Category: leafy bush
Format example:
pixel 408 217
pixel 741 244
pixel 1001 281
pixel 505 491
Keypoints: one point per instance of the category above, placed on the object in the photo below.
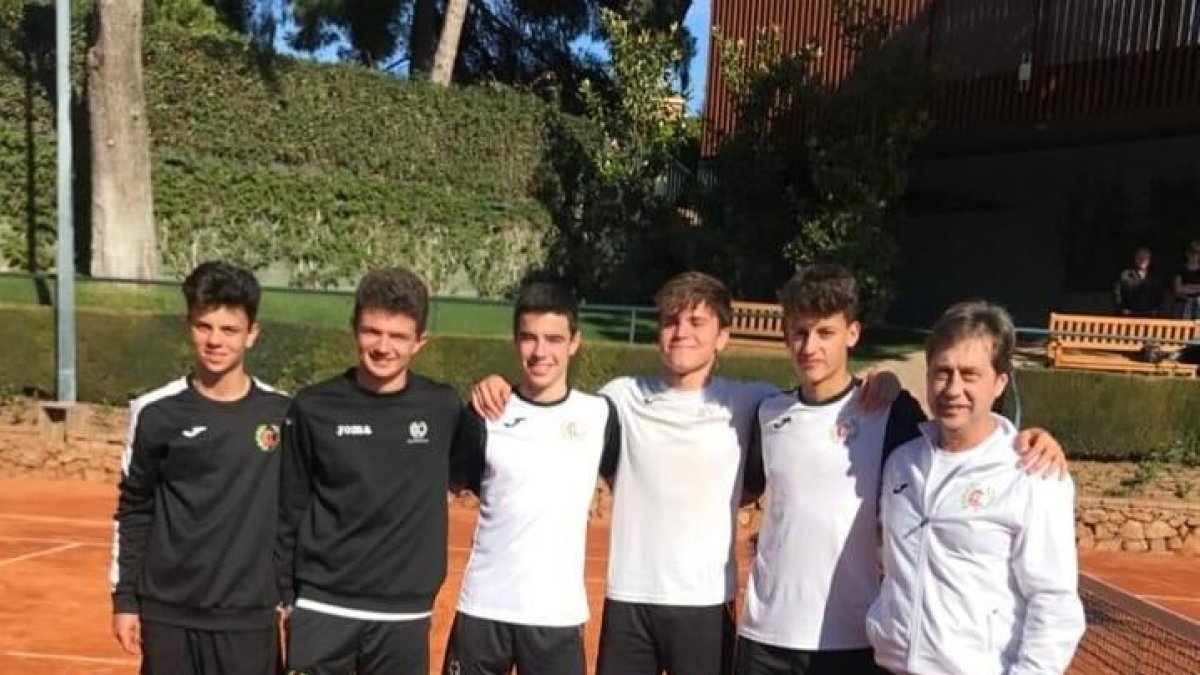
pixel 310 171
pixel 118 359
pixel 1105 416
pixel 815 169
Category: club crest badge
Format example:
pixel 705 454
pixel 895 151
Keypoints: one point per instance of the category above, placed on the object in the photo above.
pixel 572 431
pixel 418 432
pixel 266 437
pixel 845 431
pixel 977 496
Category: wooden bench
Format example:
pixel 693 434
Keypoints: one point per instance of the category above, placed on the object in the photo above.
pixel 757 324
pixel 1116 343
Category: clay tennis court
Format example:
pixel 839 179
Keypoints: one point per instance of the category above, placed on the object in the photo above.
pixel 55 539
pixel 54 552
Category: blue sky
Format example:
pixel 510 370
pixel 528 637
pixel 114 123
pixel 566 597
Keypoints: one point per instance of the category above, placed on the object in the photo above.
pixel 698 19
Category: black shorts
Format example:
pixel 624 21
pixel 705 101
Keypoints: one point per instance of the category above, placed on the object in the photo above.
pixel 325 644
pixel 757 658
pixel 642 639
pixel 174 650
pixel 485 647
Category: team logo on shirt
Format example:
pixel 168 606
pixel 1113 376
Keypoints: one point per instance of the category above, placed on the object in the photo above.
pixel 845 431
pixel 193 432
pixel 779 424
pixel 572 431
pixel 266 437
pixel 977 496
pixel 418 432
pixel 454 667
pixel 353 430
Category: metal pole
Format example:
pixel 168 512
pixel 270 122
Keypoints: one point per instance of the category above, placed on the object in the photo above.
pixel 65 259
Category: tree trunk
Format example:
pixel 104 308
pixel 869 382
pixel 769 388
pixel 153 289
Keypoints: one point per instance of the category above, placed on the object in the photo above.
pixel 124 242
pixel 422 37
pixel 447 49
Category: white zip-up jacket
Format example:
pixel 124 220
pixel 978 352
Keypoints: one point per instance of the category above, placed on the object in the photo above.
pixel 980 567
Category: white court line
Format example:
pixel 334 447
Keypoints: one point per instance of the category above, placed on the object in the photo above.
pixel 467 549
pixel 76 659
pixel 29 517
pixel 43 540
pixel 1172 598
pixel 38 554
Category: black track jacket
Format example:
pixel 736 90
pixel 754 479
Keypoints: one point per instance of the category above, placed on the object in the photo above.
pixel 197 509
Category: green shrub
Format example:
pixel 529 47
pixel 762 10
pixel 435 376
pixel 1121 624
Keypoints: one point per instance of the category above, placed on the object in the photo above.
pixel 1105 416
pixel 310 171
pixel 121 355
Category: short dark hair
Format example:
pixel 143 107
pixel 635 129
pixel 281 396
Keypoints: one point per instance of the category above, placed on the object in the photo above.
pixel 820 290
pixel 222 284
pixel 972 319
pixel 546 297
pixel 690 289
pixel 394 290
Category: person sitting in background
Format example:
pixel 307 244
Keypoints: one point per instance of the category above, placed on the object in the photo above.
pixel 1187 284
pixel 1138 292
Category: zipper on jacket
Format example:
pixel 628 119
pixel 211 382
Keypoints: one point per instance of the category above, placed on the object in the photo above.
pixel 914 640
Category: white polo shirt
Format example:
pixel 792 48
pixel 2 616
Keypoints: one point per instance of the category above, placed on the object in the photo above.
pixel 677 489
pixel 539 468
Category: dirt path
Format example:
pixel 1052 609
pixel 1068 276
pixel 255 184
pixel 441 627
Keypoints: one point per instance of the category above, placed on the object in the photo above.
pixel 910 368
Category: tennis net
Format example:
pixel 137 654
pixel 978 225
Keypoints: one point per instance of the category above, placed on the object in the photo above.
pixel 1130 636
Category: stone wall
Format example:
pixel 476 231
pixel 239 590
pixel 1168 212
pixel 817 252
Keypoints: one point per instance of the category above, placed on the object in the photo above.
pixel 85 442
pixel 1137 526
pixel 81 442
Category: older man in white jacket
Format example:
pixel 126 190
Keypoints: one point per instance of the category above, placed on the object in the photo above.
pixel 979 558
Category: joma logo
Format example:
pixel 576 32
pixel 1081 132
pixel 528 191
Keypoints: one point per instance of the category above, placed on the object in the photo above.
pixel 354 430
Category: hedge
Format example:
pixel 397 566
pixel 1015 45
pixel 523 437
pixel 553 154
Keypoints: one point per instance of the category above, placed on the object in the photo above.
pixel 123 354
pixel 1110 417
pixel 254 156
pixel 1095 415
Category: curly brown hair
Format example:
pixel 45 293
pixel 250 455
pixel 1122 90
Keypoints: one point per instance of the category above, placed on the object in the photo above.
pixel 820 290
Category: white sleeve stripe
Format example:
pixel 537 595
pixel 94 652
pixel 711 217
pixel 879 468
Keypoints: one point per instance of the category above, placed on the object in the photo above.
pixel 135 409
pixel 268 388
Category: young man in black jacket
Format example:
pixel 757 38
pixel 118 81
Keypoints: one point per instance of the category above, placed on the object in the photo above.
pixel 361 548
pixel 192 580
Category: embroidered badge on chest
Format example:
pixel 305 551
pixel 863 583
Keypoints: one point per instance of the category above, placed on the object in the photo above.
pixel 266 437
pixel 977 496
pixel 845 431
pixel 572 431
pixel 418 432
